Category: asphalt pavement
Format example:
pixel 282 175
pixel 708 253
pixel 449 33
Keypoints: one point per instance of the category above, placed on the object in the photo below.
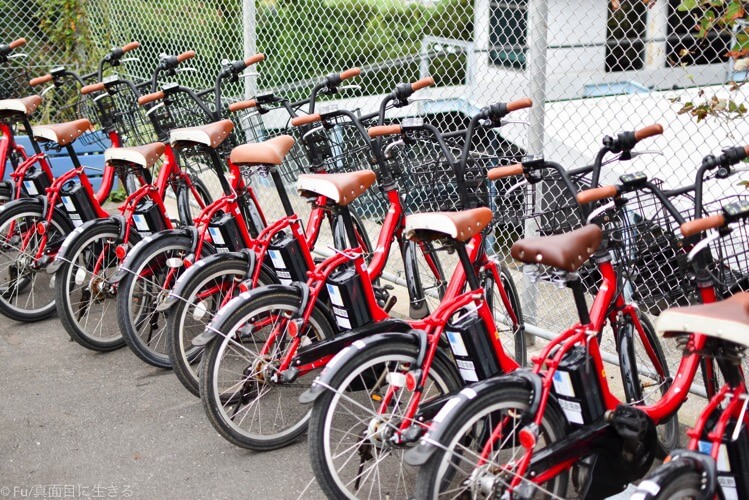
pixel 103 425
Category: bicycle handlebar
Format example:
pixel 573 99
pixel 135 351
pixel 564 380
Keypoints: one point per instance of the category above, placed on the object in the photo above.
pixel 305 120
pixel 503 172
pixel 94 87
pixel 154 96
pixel 699 225
pixel 596 194
pixel 649 131
pixel 20 42
pixel 382 130
pixel 239 106
pixel 39 80
pixel 349 73
pixel 186 55
pixel 130 46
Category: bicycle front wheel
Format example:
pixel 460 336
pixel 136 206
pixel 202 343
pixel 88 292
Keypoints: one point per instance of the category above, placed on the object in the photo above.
pixel 242 393
pixel 350 434
pixel 149 281
pixel 511 333
pixel 480 447
pixel 209 289
pixel 85 300
pixel 27 292
pixel 644 382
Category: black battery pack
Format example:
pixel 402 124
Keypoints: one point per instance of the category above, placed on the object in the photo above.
pixel 577 388
pixel 347 298
pixel 287 259
pixel 35 182
pixel 225 233
pixel 471 348
pixel 733 475
pixel 148 218
pixel 77 203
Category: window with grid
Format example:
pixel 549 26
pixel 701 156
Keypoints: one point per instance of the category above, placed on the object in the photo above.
pixel 508 32
pixel 625 31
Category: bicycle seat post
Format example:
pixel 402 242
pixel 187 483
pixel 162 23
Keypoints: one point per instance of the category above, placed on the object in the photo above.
pixel 285 202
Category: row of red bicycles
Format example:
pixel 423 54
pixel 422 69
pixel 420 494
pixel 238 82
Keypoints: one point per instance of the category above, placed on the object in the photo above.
pixel 289 326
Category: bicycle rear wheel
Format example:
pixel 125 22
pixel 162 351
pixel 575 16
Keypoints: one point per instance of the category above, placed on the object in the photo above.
pixel 511 334
pixel 475 460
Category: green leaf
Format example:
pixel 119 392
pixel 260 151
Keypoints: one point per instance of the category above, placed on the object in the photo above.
pixel 686 5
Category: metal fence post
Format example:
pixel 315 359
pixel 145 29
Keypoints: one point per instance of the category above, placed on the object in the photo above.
pixel 537 46
pixel 249 35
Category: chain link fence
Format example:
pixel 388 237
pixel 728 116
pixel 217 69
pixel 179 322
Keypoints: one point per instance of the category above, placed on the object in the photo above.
pixel 592 69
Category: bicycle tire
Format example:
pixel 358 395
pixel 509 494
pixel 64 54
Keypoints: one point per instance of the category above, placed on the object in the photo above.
pixel 668 430
pixel 263 302
pixel 416 260
pixel 185 209
pixel 514 335
pixel 352 382
pixel 460 429
pixel 18 280
pixel 675 479
pixel 136 307
pixel 183 356
pixel 84 253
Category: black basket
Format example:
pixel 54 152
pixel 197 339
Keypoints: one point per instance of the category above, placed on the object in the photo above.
pixel 544 208
pixel 179 110
pixel 14 82
pixel 729 264
pixel 120 109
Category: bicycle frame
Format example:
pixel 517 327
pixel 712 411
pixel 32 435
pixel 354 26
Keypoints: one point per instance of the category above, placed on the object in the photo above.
pixel 587 334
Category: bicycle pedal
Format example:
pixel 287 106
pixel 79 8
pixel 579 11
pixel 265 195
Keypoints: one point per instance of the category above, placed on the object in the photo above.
pixel 390 303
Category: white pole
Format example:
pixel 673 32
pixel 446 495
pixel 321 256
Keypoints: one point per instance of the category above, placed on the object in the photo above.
pixel 536 60
pixel 249 35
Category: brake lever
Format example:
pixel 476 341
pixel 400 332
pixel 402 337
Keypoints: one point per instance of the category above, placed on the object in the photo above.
pixel 517 186
pixel 16 56
pixel 46 90
pixel 159 105
pixel 101 96
pixel 633 154
pixel 422 99
pixel 519 122
pixel 395 144
pixel 312 131
pixel 598 211
pixel 247 75
pixel 130 59
pixel 701 245
pixel 349 87
pixel 184 70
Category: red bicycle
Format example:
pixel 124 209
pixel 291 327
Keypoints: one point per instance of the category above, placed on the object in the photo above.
pixel 714 463
pixel 522 435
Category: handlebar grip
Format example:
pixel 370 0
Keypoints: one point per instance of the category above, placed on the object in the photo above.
pixel 40 80
pixel 502 172
pixel 649 131
pixel 382 130
pixel 145 99
pixel 254 59
pixel 523 103
pixel 305 120
pixel 130 46
pixel 185 56
pixel 595 194
pixel 350 73
pixel 20 42
pixel 423 83
pixel 94 87
pixel 698 225
pixel 239 106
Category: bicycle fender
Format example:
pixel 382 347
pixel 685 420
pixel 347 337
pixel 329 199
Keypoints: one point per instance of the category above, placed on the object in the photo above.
pixel 351 351
pixel 177 293
pixel 134 252
pixel 319 350
pixel 681 462
pixel 458 403
pixel 230 308
pixel 62 253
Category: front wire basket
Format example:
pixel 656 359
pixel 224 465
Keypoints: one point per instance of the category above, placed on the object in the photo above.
pixel 729 263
